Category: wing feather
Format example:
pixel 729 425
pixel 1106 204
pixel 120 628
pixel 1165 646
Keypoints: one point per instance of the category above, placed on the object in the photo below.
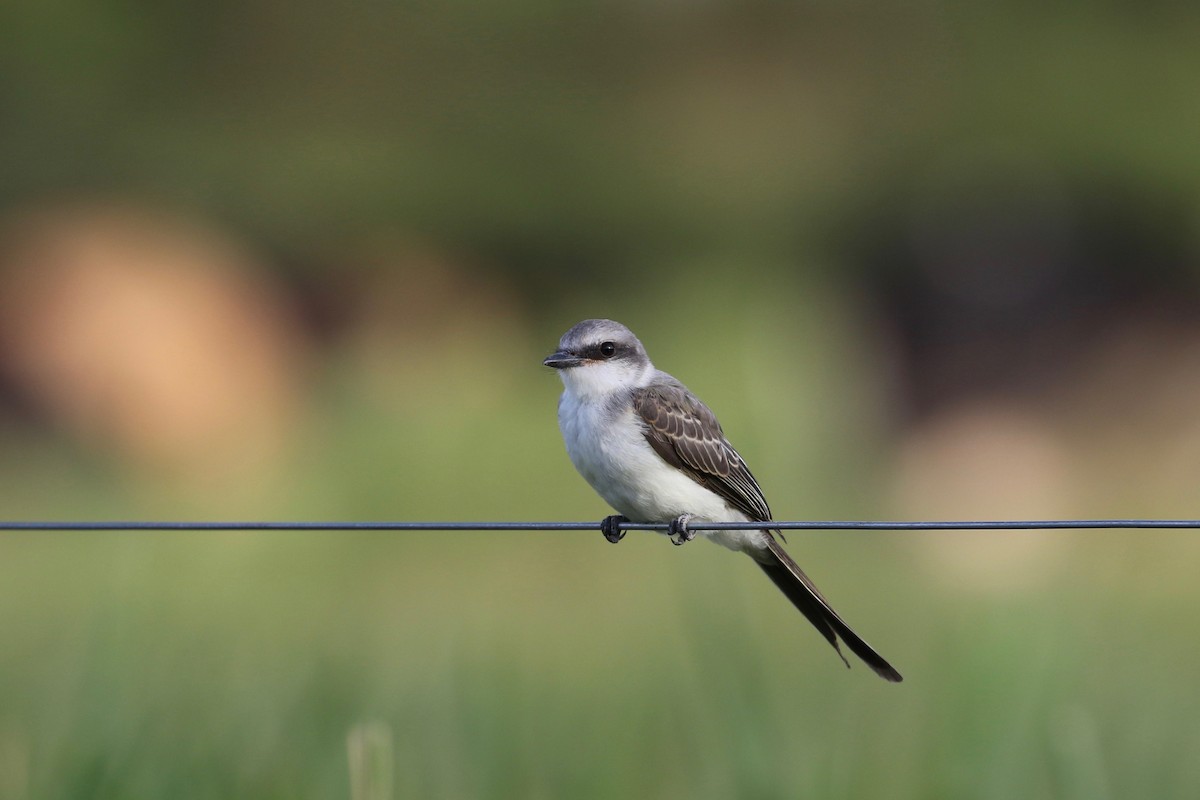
pixel 687 435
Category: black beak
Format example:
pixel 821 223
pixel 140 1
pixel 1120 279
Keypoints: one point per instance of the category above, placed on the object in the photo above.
pixel 562 360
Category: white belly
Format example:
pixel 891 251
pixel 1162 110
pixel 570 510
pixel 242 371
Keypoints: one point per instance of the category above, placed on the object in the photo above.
pixel 624 469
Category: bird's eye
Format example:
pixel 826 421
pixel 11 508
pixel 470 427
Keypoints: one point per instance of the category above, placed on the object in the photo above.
pixel 608 349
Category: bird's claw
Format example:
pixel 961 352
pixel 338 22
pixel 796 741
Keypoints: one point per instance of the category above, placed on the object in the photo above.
pixel 610 526
pixel 678 530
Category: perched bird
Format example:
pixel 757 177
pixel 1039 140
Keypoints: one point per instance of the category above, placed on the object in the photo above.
pixel 657 454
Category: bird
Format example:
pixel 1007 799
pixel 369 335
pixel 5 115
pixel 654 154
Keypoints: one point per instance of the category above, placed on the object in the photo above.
pixel 657 454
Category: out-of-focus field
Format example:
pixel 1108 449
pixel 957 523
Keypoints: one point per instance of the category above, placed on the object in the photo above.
pixel 552 664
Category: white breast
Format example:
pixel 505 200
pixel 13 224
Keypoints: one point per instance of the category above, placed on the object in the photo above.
pixel 610 451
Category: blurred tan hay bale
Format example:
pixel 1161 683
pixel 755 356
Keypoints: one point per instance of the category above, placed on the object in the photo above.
pixel 987 461
pixel 147 333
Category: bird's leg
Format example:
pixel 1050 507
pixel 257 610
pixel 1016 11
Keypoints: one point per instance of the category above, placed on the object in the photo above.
pixel 678 530
pixel 611 527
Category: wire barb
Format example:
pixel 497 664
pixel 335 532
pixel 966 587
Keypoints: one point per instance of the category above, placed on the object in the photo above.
pixel 805 525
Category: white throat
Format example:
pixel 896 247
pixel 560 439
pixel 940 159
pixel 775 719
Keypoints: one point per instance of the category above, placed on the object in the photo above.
pixel 599 380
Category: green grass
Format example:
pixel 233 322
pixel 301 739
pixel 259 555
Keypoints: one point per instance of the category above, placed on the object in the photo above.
pixel 197 666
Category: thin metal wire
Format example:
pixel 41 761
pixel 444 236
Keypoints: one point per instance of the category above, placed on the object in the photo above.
pixel 857 525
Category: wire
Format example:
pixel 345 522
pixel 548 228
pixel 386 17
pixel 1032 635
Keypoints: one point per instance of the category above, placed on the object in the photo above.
pixel 132 525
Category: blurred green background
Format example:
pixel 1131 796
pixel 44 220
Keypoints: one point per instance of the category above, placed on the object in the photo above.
pixel 293 261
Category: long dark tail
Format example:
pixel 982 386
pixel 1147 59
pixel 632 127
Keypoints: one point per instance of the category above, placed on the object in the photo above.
pixel 792 581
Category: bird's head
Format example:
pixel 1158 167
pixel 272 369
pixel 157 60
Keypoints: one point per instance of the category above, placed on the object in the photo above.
pixel 598 357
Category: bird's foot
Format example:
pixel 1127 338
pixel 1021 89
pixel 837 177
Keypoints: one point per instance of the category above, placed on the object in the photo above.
pixel 678 530
pixel 611 527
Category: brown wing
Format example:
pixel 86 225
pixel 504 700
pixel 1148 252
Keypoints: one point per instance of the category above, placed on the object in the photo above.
pixel 687 435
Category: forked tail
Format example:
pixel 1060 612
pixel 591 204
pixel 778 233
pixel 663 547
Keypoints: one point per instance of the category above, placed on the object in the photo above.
pixel 792 581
